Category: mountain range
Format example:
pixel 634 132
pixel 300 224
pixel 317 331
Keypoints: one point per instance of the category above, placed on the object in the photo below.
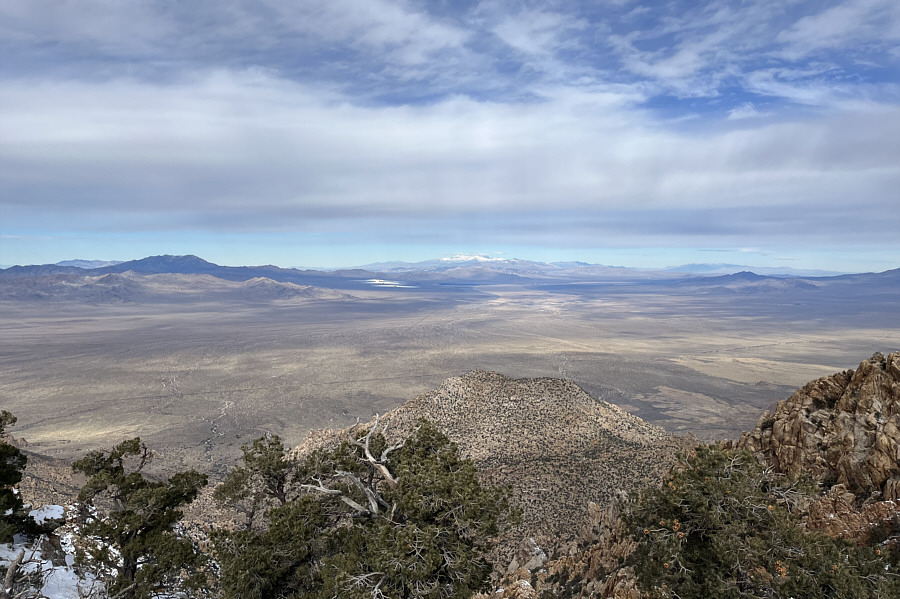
pixel 444 273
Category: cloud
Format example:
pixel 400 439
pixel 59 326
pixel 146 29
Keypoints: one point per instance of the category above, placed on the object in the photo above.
pixel 745 111
pixel 539 32
pixel 249 151
pixel 853 24
pixel 114 27
pixel 557 122
pixel 694 48
pixel 405 35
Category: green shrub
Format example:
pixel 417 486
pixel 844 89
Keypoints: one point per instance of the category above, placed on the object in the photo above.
pixel 137 550
pixel 12 465
pixel 723 526
pixel 368 520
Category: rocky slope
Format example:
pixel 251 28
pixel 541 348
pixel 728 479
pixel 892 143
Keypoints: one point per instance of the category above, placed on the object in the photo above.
pixel 843 428
pixel 46 480
pixel 558 448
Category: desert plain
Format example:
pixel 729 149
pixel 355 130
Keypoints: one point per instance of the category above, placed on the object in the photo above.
pixel 196 379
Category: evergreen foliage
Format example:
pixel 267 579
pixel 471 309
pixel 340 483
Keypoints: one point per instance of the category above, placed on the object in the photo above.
pixel 367 520
pixel 137 546
pixel 12 465
pixel 261 482
pixel 724 526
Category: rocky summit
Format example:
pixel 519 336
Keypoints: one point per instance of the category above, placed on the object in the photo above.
pixel 559 448
pixel 844 429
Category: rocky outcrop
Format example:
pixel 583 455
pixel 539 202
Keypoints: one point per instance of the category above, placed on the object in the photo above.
pixel 843 429
pixel 837 515
pixel 595 570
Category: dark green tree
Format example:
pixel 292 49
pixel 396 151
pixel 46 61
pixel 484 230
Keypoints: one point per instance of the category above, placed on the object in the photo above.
pixel 372 520
pixel 133 517
pixel 12 466
pixel 262 481
pixel 723 526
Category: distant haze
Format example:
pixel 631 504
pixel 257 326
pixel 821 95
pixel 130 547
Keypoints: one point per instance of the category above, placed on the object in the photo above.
pixel 457 260
pixel 506 263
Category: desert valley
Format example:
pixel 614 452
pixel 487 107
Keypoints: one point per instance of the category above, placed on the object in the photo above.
pixel 199 359
pixel 573 386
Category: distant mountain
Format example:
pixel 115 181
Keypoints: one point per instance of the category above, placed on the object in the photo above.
pixel 482 270
pixel 88 263
pixel 39 270
pixel 444 264
pixel 887 276
pixel 747 282
pixel 164 264
pixel 193 265
pixel 261 288
pixel 727 269
pixel 103 289
pixel 448 275
pixel 743 276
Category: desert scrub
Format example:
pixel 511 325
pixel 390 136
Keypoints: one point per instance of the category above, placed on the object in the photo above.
pixel 723 526
pixel 364 519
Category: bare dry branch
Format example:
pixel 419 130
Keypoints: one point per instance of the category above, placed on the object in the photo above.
pixel 365 445
pixel 11 575
pixel 339 494
pixel 371 494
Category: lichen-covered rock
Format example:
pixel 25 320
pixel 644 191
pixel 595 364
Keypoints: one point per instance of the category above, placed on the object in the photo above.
pixel 595 569
pixel 529 557
pixel 621 584
pixel 518 589
pixel 836 515
pixel 843 429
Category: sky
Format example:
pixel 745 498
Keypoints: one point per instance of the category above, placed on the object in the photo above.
pixel 344 132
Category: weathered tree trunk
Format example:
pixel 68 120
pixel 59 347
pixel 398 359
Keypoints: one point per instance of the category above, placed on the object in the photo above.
pixel 11 575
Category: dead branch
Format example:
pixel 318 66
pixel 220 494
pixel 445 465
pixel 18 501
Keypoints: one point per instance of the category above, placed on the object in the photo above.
pixel 371 495
pixel 379 465
pixel 320 488
pixel 11 575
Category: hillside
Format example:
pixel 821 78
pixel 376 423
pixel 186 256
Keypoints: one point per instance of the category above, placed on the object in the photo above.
pixel 841 429
pixel 557 447
pixel 129 287
pixel 570 459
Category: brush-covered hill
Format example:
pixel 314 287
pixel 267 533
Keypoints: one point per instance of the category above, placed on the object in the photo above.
pixel 556 446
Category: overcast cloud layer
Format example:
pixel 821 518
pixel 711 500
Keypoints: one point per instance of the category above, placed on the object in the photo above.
pixel 418 127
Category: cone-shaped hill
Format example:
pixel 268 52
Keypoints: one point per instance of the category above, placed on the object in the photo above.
pixel 557 447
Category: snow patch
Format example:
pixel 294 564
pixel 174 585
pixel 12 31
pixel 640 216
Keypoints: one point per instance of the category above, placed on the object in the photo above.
pixel 48 512
pixel 471 258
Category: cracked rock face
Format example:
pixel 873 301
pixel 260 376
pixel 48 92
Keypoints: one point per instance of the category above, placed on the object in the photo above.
pixel 843 429
pixel 837 515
